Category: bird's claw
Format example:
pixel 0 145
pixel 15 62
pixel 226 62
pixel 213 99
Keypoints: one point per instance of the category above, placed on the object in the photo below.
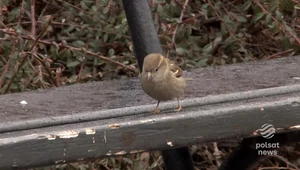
pixel 179 109
pixel 156 111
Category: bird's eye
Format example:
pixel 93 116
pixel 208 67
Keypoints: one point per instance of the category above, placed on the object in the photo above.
pixel 156 69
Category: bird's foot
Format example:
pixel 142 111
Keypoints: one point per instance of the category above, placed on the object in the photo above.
pixel 156 111
pixel 179 109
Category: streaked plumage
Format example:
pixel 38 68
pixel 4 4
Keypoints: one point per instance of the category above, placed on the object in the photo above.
pixel 162 79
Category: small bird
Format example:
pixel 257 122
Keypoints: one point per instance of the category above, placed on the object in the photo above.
pixel 161 79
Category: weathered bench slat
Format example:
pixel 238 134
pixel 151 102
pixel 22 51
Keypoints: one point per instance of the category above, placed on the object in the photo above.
pixel 229 116
pixel 137 110
pixel 105 95
pixel 132 134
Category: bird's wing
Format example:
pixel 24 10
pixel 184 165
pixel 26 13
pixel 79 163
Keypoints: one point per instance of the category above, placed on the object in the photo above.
pixel 175 69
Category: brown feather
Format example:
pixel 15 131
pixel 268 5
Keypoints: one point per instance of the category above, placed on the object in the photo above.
pixel 153 61
pixel 170 85
pixel 175 69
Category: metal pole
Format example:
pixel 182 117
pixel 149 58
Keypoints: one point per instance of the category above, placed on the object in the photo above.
pixel 142 29
pixel 145 41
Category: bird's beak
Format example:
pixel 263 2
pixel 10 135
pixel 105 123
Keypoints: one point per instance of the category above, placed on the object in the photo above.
pixel 148 75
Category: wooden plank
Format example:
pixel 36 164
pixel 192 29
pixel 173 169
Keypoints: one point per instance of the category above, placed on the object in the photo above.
pixel 106 95
pixel 132 134
pixel 115 130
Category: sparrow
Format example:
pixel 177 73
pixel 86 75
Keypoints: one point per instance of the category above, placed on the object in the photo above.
pixel 162 80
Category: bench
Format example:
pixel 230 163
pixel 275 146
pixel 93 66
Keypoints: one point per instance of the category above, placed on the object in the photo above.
pixel 109 118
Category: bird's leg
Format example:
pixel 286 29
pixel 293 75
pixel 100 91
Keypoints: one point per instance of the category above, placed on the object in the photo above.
pixel 156 110
pixel 179 106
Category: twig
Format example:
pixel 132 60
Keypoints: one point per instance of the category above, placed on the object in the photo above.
pixel 66 24
pixel 28 80
pixel 71 48
pixel 285 161
pixel 279 53
pixel 58 75
pixel 30 64
pixel 79 9
pixel 41 76
pixel 296 2
pixel 282 26
pixel 217 154
pixel 33 24
pixel 45 66
pixel 82 64
pixel 180 20
pixel 2 59
pixel 44 10
pixel 7 65
pixel 220 18
pixel 25 57
pixel 21 13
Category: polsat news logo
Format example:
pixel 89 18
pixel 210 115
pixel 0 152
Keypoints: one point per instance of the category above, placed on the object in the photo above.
pixel 267 131
pixel 267 148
